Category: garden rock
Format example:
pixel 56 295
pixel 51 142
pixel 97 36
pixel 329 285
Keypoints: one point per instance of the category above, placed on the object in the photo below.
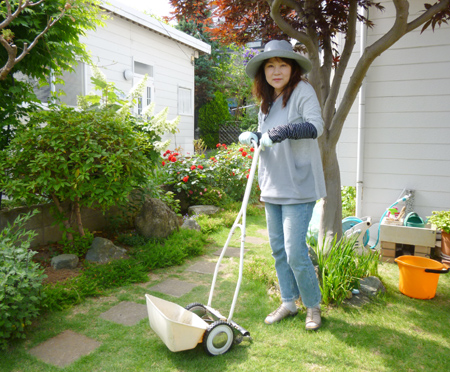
pixel 368 288
pixel 65 261
pixel 191 224
pixel 371 286
pixel 203 209
pixel 103 250
pixel 156 219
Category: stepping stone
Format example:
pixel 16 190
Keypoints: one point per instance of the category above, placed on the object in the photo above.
pixel 126 313
pixel 173 287
pixel 263 232
pixel 231 252
pixel 254 240
pixel 203 267
pixel 64 349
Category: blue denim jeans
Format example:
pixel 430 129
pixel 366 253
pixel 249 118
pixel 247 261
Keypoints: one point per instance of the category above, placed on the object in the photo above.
pixel 287 226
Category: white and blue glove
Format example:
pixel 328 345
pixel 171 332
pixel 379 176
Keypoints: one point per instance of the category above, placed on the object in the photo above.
pixel 246 138
pixel 265 141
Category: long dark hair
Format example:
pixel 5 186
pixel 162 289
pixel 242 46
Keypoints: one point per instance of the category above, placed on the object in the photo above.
pixel 264 92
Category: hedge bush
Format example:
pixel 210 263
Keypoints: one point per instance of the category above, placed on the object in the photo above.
pixel 211 117
pixel 20 281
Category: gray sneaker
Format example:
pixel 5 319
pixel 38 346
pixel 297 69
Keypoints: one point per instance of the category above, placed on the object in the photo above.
pixel 279 314
pixel 313 319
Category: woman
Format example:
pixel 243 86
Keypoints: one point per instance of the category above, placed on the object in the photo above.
pixel 290 171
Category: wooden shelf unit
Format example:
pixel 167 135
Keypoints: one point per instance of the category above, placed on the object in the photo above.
pixel 399 240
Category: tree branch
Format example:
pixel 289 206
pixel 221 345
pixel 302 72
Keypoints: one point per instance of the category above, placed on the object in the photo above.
pixel 66 221
pixel 427 15
pixel 275 14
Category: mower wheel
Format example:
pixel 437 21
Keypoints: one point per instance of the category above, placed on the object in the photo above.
pixel 218 338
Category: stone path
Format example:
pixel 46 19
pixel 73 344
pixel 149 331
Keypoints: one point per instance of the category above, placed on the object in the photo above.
pixel 69 346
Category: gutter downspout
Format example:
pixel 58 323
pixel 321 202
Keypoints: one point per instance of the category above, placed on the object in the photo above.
pixel 361 127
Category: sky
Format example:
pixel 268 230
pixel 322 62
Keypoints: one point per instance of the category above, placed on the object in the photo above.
pixel 157 7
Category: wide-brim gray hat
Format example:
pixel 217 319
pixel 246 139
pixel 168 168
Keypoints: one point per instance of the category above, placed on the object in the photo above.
pixel 280 49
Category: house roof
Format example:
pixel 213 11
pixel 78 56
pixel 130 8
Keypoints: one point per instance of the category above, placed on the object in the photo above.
pixel 150 23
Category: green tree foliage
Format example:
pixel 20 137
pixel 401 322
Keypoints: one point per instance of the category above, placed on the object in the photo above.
pixel 211 117
pixel 44 35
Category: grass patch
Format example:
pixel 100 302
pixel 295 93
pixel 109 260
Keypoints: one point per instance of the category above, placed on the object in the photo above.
pixel 395 333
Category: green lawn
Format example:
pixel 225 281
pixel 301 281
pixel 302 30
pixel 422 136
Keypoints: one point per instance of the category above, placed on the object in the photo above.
pixel 395 333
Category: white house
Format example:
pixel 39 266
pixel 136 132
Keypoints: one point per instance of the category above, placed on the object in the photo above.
pixel 401 132
pixel 133 44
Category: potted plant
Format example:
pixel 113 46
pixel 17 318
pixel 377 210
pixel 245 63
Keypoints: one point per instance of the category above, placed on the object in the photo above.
pixel 441 219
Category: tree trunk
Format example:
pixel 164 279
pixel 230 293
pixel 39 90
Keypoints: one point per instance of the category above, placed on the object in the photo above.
pixel 66 221
pixel 78 216
pixel 331 219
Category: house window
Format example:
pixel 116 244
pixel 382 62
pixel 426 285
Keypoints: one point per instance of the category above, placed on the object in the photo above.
pixel 140 70
pixel 184 101
pixel 146 99
pixel 73 87
pixel 143 69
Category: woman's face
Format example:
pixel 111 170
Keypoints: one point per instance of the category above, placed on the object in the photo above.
pixel 277 73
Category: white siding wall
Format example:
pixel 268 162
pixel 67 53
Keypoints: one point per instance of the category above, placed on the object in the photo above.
pixel 114 48
pixel 407 129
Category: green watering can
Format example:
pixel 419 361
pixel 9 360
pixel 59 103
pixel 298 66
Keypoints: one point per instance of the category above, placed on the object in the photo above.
pixel 414 220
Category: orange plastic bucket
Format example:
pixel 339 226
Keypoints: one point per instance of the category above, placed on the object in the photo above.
pixel 419 276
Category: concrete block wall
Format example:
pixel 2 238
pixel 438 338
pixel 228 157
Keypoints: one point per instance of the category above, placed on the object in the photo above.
pixel 44 224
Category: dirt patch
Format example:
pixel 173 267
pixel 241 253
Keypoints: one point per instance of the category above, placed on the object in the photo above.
pixel 44 257
pixel 54 276
pixel 45 254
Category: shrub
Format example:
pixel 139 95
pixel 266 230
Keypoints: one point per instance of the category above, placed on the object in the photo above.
pixel 79 245
pixel 197 176
pixel 20 281
pixel 174 250
pixel 92 282
pixel 211 116
pixel 61 295
pixel 348 194
pixel 116 273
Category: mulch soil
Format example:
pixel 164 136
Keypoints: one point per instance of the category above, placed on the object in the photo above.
pixel 44 257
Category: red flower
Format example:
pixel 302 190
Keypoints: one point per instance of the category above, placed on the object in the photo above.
pixel 163 163
pixel 200 167
pixel 193 167
pixel 250 157
pixel 252 149
pixel 191 192
pixel 218 145
pixel 241 149
pixel 185 179
pixel 173 159
pixel 246 176
pixel 244 153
